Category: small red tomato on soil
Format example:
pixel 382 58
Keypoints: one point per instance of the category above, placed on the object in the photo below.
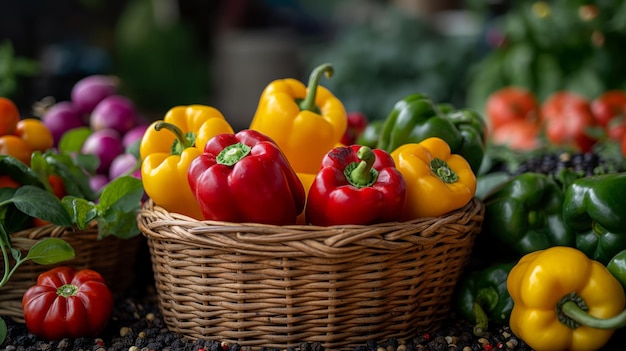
pixel 67 303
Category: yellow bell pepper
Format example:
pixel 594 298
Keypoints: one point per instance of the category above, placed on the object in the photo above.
pixel 564 301
pixel 167 154
pixel 304 122
pixel 437 181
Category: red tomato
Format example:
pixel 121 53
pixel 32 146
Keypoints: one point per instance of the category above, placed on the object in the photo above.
pixel 609 110
pixel 57 186
pixel 566 117
pixel 66 303
pixel 609 105
pixel 509 104
pixel 518 135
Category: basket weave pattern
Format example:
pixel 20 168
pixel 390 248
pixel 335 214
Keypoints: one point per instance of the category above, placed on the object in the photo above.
pixel 277 286
pixel 112 257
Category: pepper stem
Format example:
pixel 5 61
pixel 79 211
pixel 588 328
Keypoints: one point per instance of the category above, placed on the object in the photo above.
pixel 232 154
pixel 361 174
pixel 182 141
pixel 482 321
pixel 572 311
pixel 67 290
pixel 443 171
pixel 309 101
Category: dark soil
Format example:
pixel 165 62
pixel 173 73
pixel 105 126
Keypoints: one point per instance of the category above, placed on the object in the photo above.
pixel 137 325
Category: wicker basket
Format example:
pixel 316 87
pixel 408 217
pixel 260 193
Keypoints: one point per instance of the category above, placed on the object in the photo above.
pixel 112 257
pixel 277 286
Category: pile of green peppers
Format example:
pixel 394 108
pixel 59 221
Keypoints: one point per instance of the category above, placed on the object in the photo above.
pixel 535 211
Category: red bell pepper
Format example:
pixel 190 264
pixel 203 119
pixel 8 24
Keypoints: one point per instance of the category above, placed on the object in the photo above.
pixel 356 185
pixel 67 303
pixel 245 177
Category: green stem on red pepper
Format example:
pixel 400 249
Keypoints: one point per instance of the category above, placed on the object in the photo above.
pixel 572 312
pixel 183 140
pixel 361 174
pixel 232 154
pixel 308 103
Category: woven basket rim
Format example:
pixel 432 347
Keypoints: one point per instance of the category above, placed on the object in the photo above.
pixel 149 207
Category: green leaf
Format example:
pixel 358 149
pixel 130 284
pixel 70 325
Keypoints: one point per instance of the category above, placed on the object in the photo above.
pixel 18 170
pixel 16 254
pixel 42 204
pixel 75 179
pixel 50 251
pixel 81 210
pixel 123 193
pixel 73 139
pixel 122 224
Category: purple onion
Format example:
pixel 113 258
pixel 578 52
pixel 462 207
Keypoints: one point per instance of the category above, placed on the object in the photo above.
pixel 89 91
pixel 114 112
pixel 60 118
pixel 106 144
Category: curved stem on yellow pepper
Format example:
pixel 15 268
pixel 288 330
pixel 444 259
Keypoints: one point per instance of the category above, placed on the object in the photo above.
pixel 308 103
pixel 182 141
pixel 362 174
pixel 572 311
pixel 443 171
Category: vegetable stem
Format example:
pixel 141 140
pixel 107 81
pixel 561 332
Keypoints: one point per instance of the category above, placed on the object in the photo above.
pixel 309 101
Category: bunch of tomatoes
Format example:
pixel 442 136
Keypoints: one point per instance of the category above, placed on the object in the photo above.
pixel 21 137
pixel 518 120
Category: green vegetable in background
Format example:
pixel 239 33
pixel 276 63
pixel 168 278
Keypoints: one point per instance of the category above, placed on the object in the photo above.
pixel 594 210
pixel 481 296
pixel 525 214
pixel 416 118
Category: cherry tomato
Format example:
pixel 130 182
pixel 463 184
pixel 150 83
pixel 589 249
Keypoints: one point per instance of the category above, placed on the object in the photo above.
pixel 566 117
pixel 9 116
pixel 15 146
pixel 56 183
pixel 35 133
pixel 511 103
pixel 8 182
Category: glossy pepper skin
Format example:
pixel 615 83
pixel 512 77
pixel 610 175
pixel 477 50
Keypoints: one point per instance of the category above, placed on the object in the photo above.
pixel 416 118
pixel 167 149
pixel 525 214
pixel 482 297
pixel 437 181
pixel 593 208
pixel 542 282
pixel 67 303
pixel 305 122
pixel 617 267
pixel 244 177
pixel 356 185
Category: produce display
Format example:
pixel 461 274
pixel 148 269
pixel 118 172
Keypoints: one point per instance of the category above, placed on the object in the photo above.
pixel 550 174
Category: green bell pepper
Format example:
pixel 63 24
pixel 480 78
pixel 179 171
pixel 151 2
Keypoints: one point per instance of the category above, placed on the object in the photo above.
pixel 482 297
pixel 371 134
pixel 617 267
pixel 416 118
pixel 524 214
pixel 594 209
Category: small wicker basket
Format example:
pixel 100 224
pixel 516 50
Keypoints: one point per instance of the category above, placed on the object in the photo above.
pixel 277 286
pixel 112 257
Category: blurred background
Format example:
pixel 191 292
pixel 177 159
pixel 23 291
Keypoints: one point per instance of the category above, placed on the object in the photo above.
pixel 223 53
